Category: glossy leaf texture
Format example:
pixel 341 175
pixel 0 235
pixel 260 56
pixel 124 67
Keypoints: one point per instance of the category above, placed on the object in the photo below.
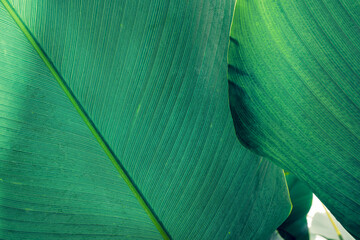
pixel 294 76
pixel 296 225
pixel 151 77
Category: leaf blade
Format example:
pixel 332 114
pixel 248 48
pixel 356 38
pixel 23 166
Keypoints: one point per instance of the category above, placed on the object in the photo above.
pixel 301 105
pixel 178 143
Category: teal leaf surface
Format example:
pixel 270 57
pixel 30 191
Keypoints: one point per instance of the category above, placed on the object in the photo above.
pixel 294 73
pixel 150 76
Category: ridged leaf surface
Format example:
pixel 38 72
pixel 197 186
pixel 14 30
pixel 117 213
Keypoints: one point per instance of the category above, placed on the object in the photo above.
pixel 150 77
pixel 294 72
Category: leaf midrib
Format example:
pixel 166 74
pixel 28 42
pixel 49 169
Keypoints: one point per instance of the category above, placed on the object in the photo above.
pixel 119 167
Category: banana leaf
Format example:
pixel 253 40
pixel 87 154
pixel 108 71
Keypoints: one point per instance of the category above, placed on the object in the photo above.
pixel 294 73
pixel 148 78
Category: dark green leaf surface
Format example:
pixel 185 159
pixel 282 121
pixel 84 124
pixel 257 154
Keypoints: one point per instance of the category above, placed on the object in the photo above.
pixel 294 72
pixel 151 77
pixel 296 226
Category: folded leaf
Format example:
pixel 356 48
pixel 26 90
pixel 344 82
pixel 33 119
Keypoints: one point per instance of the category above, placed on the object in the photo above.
pixel 149 75
pixel 294 72
pixel 296 225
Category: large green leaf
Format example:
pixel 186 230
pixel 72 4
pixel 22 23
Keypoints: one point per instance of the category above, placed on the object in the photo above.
pixel 294 72
pixel 149 78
